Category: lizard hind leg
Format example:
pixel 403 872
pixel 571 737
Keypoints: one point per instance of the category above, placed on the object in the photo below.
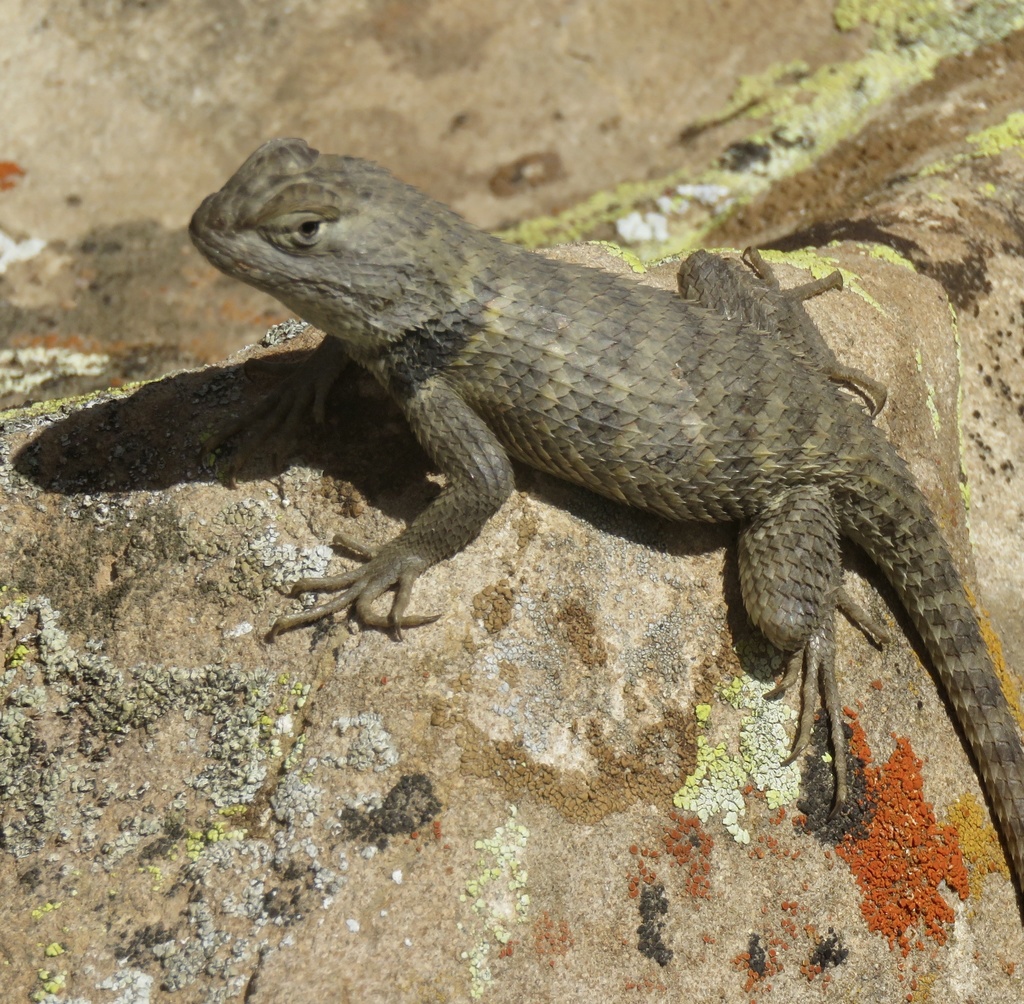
pixel 789 565
pixel 753 295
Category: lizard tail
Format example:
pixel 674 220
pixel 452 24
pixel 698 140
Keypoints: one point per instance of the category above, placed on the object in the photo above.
pixel 887 516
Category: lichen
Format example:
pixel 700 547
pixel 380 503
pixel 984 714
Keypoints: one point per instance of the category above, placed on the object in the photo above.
pixel 796 117
pixel 904 854
pixel 979 841
pixel 908 21
pixel 497 895
pixel 370 746
pixel 718 784
pixel 245 534
pixel 493 605
pixel 1007 135
pixel 23 370
pixel 55 678
pixel 635 264
pixel 12 251
pixel 883 252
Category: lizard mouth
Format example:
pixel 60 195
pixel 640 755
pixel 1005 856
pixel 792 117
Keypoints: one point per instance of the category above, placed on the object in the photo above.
pixel 210 233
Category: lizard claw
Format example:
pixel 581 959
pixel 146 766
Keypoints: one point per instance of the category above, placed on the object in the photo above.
pixel 794 667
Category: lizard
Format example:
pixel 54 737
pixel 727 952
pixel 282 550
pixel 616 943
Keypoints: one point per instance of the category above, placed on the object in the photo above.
pixel 719 405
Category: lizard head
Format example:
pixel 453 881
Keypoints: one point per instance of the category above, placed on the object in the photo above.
pixel 340 241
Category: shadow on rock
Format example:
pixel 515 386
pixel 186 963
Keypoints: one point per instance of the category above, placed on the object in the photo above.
pixel 151 440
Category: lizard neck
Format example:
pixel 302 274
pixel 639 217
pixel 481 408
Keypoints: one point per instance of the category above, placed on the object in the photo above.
pixel 405 324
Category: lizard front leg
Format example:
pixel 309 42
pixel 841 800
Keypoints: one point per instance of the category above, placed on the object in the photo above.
pixel 480 478
pixel 301 392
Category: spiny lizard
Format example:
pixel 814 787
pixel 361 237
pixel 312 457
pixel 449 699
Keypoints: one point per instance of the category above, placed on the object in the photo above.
pixel 722 404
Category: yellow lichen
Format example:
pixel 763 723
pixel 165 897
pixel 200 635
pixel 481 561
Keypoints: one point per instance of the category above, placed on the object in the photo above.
pixel 987 143
pixel 979 841
pixel 1007 135
pixel 811 113
pixel 1007 680
pixel 887 254
pixel 897 21
pixel 497 895
pixel 635 264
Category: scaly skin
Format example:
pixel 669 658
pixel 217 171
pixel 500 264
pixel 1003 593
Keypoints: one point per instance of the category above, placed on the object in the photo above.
pixel 725 285
pixel 726 409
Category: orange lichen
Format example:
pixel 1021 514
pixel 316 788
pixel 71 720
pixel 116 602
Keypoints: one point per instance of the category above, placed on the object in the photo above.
pixel 550 938
pixel 644 984
pixel 758 964
pixel 978 841
pixel 767 844
pixel 643 875
pixel 9 173
pixel 690 847
pixel 905 853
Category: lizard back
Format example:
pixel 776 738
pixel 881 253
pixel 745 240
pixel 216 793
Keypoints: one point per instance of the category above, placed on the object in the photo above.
pixel 636 394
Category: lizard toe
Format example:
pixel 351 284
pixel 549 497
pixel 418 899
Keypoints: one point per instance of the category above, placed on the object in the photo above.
pixel 329 584
pixel 354 545
pixel 311 616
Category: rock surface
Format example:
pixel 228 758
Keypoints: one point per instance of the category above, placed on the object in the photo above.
pixel 571 783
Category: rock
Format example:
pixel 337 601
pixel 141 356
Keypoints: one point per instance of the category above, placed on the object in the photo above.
pixel 574 771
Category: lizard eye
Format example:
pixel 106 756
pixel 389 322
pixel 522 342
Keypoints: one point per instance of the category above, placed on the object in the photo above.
pixel 304 230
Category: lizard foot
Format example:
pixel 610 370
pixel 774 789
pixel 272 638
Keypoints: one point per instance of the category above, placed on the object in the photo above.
pixel 817 663
pixel 358 589
pixel 790 578
pixel 302 391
